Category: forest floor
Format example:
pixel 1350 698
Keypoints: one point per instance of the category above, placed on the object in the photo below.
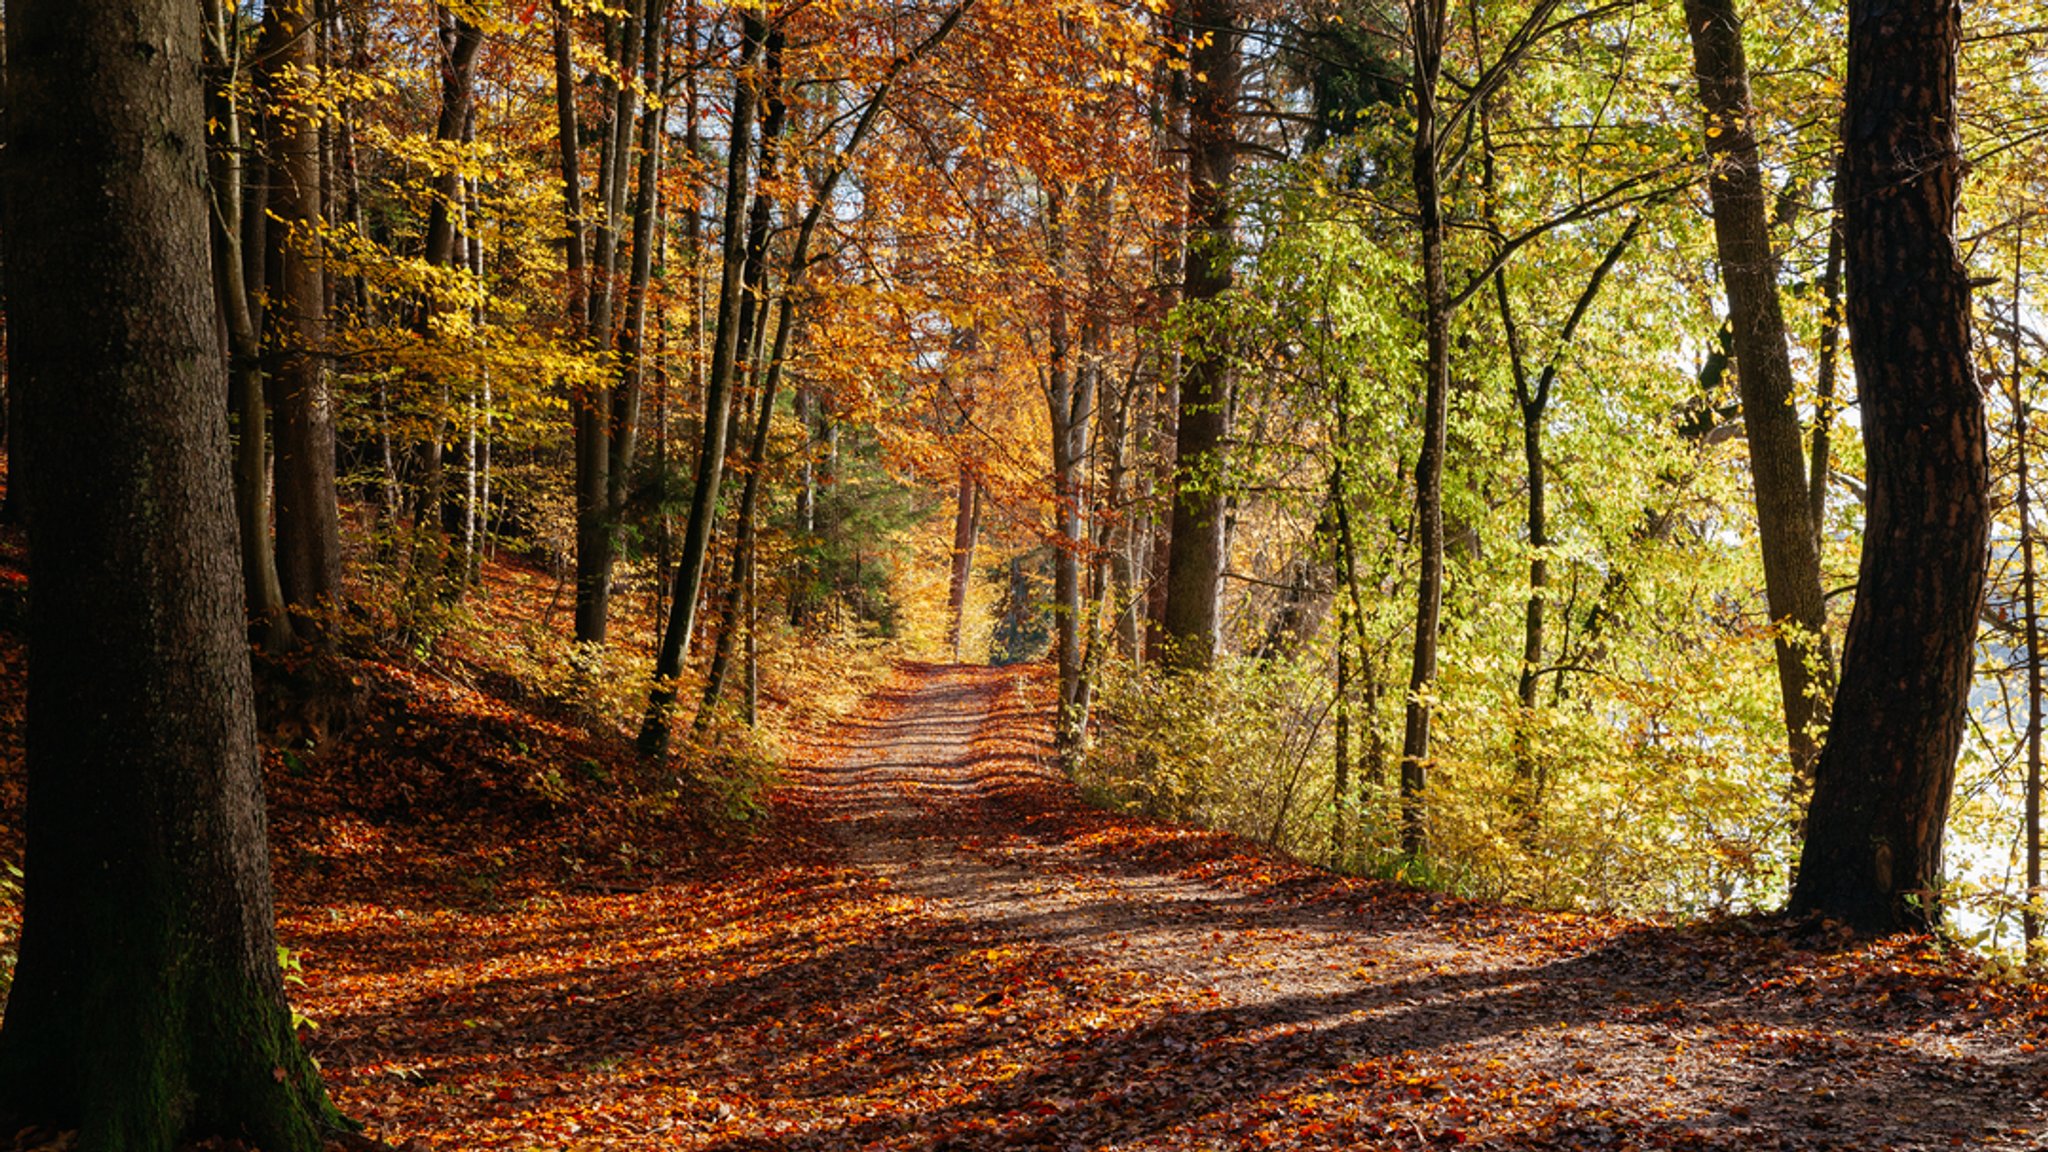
pixel 937 946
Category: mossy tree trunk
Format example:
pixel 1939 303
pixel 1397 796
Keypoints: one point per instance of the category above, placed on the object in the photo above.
pixel 147 1007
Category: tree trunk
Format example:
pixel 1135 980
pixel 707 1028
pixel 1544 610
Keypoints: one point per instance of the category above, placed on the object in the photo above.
pixel 683 602
pixel 1427 20
pixel 603 441
pixel 240 312
pixel 739 586
pixel 1532 400
pixel 1777 458
pixel 1881 789
pixel 147 1007
pixel 2030 917
pixel 966 526
pixel 308 518
pixel 1062 396
pixel 1162 401
pixel 737 246
pixel 589 406
pixel 1194 565
pixel 647 211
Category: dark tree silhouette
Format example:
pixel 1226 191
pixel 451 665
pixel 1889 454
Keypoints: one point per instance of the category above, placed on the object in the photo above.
pixel 1881 787
pixel 147 1006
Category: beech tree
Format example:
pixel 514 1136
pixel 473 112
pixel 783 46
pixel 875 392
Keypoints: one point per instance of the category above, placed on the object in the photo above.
pixel 1763 367
pixel 308 521
pixel 1195 560
pixel 147 1007
pixel 1872 856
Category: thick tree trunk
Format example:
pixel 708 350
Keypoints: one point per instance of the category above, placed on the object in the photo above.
pixel 147 1007
pixel 308 518
pixel 1874 832
pixel 603 413
pixel 1194 564
pixel 1777 457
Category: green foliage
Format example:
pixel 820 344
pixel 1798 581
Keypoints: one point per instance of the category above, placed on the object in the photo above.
pixel 292 966
pixel 1024 623
pixel 732 769
pixel 845 573
pixel 1241 746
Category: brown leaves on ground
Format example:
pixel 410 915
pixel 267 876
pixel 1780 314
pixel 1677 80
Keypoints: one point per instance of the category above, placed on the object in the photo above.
pixel 936 946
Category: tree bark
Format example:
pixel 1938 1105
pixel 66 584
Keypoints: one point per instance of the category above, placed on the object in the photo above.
pixel 1777 458
pixel 1428 25
pixel 739 585
pixel 308 517
pixel 1194 564
pixel 647 212
pixel 240 312
pixel 147 1007
pixel 1872 856
pixel 589 405
pixel 683 602
pixel 966 527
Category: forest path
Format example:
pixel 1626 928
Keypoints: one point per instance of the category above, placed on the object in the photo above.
pixel 936 945
pixel 1277 1007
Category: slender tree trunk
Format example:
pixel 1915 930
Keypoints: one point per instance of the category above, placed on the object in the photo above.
pixel 1062 402
pixel 966 526
pixel 683 602
pixel 1532 400
pixel 739 585
pixel 1195 560
pixel 2030 918
pixel 1829 369
pixel 1777 465
pixel 1427 21
pixel 1170 149
pixel 147 1007
pixel 2022 422
pixel 1872 856
pixel 1340 773
pixel 647 213
pixel 308 517
pixel 241 312
pixel 752 318
pixel 459 42
pixel 589 404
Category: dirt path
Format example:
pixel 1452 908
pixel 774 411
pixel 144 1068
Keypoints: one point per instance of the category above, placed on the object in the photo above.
pixel 938 947
pixel 1348 1003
